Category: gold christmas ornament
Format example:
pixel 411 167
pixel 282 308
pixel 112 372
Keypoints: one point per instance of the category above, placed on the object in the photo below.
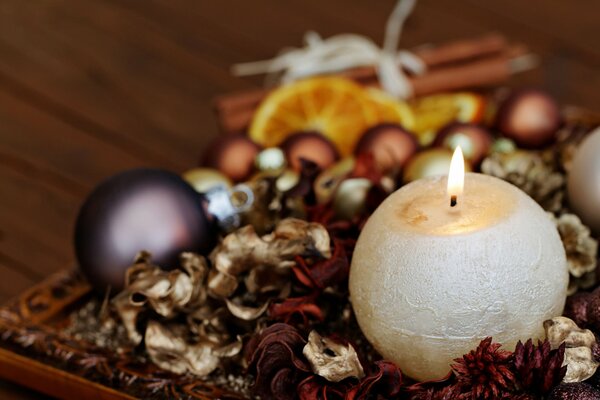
pixel 350 197
pixel 204 179
pixel 431 162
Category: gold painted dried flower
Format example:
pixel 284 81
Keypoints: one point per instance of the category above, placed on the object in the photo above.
pixel 331 360
pixel 243 250
pixel 579 359
pixel 579 245
pixel 530 172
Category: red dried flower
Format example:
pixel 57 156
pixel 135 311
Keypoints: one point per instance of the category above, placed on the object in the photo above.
pixel 485 372
pixel 275 359
pixel 326 272
pixel 316 388
pixel 383 382
pixel 296 307
pixel 538 368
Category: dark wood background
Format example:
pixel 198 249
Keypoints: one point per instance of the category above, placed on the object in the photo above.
pixel 89 88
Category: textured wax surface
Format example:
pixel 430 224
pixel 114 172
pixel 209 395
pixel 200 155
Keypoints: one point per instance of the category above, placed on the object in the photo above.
pixel 584 181
pixel 423 299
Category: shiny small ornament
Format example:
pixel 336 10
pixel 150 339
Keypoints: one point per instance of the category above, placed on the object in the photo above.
pixel 270 160
pixel 503 145
pixel 430 162
pixel 311 146
pixel 140 209
pixel 474 140
pixel 390 144
pixel 233 155
pixel 328 181
pixel 530 117
pixel 583 181
pixel 350 197
pixel 204 179
pixel 287 180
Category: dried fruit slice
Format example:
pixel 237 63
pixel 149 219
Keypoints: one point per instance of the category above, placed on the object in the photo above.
pixel 338 108
pixel 388 109
pixel 433 112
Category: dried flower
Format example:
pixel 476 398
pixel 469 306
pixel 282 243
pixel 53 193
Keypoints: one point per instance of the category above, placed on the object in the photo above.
pixel 530 172
pixel 580 247
pixel 485 372
pixel 324 273
pixel 243 250
pixel 165 292
pixel 384 381
pixel 579 359
pixel 538 368
pixel 275 359
pixel 564 330
pixel 302 307
pixel 167 349
pixel 332 360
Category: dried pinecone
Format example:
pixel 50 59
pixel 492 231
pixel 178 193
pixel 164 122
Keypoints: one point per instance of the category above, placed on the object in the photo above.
pixel 275 359
pixel 485 372
pixel 529 171
pixel 579 245
pixel 538 368
pixel 574 391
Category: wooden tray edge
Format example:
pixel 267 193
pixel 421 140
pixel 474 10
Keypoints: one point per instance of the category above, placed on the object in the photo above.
pixel 52 381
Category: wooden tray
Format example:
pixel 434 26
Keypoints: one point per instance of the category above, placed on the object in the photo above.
pixel 34 352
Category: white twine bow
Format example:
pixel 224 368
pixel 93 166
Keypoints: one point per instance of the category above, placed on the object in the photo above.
pixel 345 51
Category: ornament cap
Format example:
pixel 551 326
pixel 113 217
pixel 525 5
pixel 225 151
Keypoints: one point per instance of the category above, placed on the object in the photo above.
pixel 226 204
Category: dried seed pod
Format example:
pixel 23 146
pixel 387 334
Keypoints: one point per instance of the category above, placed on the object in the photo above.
pixel 331 360
pixel 579 359
pixel 563 329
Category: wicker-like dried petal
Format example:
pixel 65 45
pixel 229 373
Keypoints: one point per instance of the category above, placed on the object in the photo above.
pixel 244 249
pixel 331 360
pixel 580 364
pixel 173 353
pixel 530 172
pixel 564 330
pixel 220 284
pixel 579 358
pixel 244 312
pixel 581 248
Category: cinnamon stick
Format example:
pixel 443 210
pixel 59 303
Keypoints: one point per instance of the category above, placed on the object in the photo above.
pixel 478 73
pixel 432 56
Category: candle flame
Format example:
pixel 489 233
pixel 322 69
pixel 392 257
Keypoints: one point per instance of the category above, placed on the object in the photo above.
pixel 456 176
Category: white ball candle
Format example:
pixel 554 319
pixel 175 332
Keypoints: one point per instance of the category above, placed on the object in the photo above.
pixel 429 281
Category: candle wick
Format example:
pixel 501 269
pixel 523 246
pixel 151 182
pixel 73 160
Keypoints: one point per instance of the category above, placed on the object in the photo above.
pixel 453 201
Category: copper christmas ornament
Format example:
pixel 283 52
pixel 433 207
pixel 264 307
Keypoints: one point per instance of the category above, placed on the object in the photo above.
pixel 311 146
pixel 474 140
pixel 390 144
pixel 233 155
pixel 530 118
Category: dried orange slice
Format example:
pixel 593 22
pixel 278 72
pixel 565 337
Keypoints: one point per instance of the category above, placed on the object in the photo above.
pixel 336 107
pixel 387 109
pixel 433 112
